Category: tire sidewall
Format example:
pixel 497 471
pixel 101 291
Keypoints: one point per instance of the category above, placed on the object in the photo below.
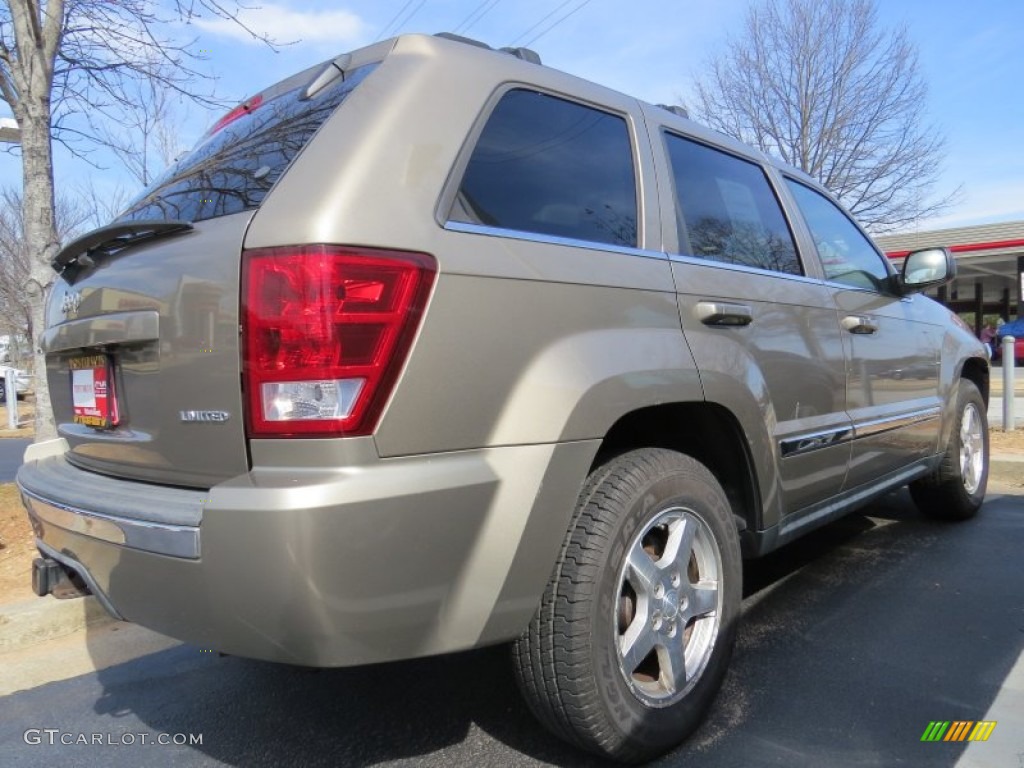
pixel 650 727
pixel 968 394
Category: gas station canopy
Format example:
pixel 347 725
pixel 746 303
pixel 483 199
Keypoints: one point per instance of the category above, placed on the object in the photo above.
pixel 989 261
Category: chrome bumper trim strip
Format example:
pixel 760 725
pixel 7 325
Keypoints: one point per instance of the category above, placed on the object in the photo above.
pixel 160 538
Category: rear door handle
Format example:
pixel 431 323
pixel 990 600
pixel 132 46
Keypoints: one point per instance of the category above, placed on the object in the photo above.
pixel 723 313
pixel 859 324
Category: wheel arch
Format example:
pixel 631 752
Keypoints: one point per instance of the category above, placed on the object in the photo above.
pixel 977 371
pixel 707 432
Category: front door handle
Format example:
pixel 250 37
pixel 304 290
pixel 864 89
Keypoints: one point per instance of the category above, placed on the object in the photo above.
pixel 859 324
pixel 724 313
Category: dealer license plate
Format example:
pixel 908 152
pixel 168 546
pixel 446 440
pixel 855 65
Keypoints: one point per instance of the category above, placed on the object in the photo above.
pixel 92 391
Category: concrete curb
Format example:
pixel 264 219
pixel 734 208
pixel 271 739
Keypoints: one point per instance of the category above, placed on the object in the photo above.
pixel 46 618
pixel 1007 463
pixel 1004 469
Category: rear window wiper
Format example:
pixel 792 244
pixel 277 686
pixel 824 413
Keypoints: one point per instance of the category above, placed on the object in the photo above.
pixel 105 241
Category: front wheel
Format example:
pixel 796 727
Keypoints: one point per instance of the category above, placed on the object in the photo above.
pixel 956 489
pixel 636 627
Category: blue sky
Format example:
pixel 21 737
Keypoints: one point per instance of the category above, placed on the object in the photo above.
pixel 969 53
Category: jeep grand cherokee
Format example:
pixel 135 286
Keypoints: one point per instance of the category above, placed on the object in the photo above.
pixel 432 347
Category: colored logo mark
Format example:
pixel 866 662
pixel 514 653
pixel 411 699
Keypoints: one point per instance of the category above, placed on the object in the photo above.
pixel 958 730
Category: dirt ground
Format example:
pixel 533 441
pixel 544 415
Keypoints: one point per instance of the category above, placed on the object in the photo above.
pixel 1007 442
pixel 26 412
pixel 16 544
pixel 16 548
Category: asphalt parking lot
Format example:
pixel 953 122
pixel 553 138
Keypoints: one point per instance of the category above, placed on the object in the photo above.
pixel 11 451
pixel 853 640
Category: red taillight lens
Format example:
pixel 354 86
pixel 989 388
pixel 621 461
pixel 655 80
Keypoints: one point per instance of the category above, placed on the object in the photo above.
pixel 325 332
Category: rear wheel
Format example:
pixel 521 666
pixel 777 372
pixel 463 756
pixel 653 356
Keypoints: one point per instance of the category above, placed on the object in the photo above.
pixel 636 627
pixel 956 489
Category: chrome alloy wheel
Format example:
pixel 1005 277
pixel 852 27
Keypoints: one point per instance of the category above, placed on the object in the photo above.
pixel 669 606
pixel 972 448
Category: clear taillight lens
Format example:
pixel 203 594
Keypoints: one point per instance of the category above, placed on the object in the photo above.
pixel 326 330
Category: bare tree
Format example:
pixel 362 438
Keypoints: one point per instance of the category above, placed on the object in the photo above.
pixel 100 206
pixel 816 83
pixel 63 65
pixel 72 214
pixel 143 133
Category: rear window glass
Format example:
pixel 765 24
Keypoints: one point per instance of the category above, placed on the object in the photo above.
pixel 553 167
pixel 233 169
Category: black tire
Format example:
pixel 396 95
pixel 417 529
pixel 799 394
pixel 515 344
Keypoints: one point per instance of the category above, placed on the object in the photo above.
pixel 569 662
pixel 956 489
pixel 3 391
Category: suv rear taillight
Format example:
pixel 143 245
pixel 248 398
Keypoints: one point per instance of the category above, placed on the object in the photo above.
pixel 325 332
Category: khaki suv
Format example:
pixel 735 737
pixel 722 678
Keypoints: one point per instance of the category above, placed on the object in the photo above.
pixel 432 347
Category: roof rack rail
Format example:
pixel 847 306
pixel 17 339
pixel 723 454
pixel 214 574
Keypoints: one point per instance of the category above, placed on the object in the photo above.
pixel 520 53
pixel 675 109
pixel 525 54
pixel 461 39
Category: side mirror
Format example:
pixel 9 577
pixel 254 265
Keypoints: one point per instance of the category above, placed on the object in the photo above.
pixel 927 268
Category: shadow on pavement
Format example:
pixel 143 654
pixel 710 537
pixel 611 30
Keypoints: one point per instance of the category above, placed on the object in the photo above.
pixel 439 711
pixel 886 622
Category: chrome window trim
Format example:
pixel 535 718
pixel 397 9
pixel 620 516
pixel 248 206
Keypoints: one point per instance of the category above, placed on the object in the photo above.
pixel 848 287
pixel 160 538
pixel 466 227
pixel 699 262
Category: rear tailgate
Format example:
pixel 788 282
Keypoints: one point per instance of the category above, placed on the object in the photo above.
pixel 143 356
pixel 155 329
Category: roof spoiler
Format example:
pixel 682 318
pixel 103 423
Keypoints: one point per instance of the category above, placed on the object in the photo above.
pixel 82 252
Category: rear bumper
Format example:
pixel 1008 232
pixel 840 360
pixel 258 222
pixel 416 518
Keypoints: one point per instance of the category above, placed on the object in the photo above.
pixel 388 560
pixel 151 518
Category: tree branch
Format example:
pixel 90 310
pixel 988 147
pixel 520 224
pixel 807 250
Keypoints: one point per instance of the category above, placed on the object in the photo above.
pixel 816 83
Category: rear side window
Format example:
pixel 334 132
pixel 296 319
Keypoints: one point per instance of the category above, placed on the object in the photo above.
pixel 552 167
pixel 729 209
pixel 232 169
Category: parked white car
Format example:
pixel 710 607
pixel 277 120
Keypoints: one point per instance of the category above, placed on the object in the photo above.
pixel 23 382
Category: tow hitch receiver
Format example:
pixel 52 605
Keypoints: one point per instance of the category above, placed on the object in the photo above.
pixel 51 577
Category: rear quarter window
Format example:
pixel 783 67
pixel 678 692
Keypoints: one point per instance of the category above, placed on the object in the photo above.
pixel 551 166
pixel 233 169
